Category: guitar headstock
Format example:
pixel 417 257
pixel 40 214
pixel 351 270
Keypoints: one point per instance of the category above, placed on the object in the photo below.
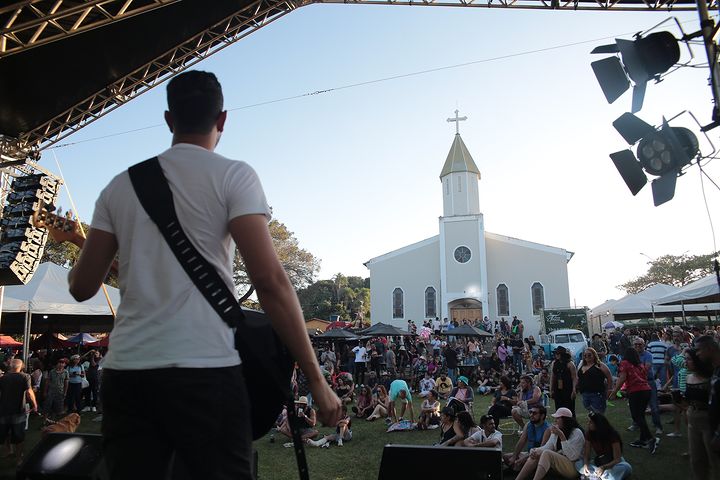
pixel 62 228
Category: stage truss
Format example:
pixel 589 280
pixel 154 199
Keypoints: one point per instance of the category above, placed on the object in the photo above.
pixel 31 23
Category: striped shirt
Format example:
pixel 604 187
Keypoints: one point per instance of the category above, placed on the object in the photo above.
pixel 678 362
pixel 657 348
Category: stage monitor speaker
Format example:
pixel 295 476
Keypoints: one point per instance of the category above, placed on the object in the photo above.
pixel 410 461
pixel 65 456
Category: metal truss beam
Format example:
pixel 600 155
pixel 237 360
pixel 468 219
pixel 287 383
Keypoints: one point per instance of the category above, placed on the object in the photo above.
pixel 598 5
pixel 212 40
pixel 27 24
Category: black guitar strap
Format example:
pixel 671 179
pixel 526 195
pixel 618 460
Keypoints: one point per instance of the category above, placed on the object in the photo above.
pixel 153 192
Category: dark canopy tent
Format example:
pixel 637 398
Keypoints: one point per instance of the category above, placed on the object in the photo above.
pixel 384 330
pixel 467 331
pixel 337 334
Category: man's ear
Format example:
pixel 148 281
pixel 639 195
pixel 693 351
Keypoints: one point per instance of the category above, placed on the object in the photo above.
pixel 169 120
pixel 220 124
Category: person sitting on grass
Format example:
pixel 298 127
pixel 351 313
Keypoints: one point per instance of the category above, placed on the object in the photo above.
pixel 487 436
pixel 534 435
pixel 364 403
pixel 306 418
pixel 463 427
pixel 447 422
pixel 343 432
pixel 605 441
pixel 502 402
pixel 381 404
pixel 443 385
pixel 399 390
pixel 462 393
pixel 530 396
pixel 429 411
pixel 560 452
pixel 483 383
pixel 426 384
pixel 345 390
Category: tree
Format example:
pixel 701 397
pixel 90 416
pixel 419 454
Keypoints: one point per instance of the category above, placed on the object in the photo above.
pixel 677 270
pixel 341 295
pixel 300 265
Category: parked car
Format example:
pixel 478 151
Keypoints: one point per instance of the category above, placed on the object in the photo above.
pixel 573 340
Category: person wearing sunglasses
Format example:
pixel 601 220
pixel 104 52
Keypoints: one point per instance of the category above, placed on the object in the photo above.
pixel 535 434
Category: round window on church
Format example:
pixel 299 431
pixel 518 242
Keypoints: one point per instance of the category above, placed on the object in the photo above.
pixel 462 254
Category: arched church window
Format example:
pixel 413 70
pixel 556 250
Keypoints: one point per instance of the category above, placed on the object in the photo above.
pixel 430 310
pixel 398 303
pixel 538 297
pixel 503 301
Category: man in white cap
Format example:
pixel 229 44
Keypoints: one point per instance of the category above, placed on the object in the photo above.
pixel 306 418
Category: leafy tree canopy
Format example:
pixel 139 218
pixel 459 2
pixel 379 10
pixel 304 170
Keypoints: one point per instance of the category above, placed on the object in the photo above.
pixel 300 265
pixel 348 297
pixel 677 270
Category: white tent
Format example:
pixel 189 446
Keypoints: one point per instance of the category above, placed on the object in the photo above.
pixel 704 290
pixel 47 293
pixel 646 305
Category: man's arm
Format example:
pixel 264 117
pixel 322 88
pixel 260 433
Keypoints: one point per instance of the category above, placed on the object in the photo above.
pixel 280 302
pixel 93 265
pixel 31 396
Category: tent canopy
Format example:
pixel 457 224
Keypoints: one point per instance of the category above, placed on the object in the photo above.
pixel 467 331
pixel 338 334
pixel 385 330
pixel 705 290
pixel 48 293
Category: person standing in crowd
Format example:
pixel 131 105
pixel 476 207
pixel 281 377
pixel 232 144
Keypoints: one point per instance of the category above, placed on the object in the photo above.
pixel 633 375
pixel 647 360
pixel 703 462
pixel 563 380
pixel 560 452
pixel 600 346
pixel 534 435
pixel 594 381
pixel 605 441
pixel 391 360
pixel 451 361
pixel 517 346
pixel 658 349
pixel 15 390
pixel 708 351
pixel 74 393
pixel 217 201
pixel 92 374
pixel 360 362
pixel 56 389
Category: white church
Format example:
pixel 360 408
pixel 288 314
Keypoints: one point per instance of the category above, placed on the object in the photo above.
pixel 465 272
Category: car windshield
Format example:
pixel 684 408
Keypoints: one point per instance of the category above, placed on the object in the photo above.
pixel 563 338
pixel 576 337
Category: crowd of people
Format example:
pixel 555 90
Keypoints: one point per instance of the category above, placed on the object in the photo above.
pixel 663 370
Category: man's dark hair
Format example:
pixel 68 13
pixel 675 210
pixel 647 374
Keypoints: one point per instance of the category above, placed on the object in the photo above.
pixel 195 100
pixel 707 341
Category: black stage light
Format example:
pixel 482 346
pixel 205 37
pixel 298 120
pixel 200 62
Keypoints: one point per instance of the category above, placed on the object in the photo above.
pixel 662 153
pixel 640 61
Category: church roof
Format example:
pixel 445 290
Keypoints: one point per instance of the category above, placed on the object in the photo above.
pixel 459 159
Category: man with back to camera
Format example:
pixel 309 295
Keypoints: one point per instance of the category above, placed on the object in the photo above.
pixel 15 391
pixel 166 335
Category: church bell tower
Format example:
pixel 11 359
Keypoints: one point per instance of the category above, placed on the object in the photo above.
pixel 463 262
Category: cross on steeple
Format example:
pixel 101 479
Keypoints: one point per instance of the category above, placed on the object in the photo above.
pixel 457 121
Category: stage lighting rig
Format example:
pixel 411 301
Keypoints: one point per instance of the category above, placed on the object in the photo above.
pixel 661 152
pixel 648 57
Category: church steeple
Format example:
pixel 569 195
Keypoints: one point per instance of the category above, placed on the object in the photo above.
pixel 459 177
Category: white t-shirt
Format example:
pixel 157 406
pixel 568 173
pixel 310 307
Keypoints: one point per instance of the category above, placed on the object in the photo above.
pixel 360 353
pixel 427 384
pixel 163 320
pixel 480 437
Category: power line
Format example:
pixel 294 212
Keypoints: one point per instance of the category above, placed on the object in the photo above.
pixel 364 83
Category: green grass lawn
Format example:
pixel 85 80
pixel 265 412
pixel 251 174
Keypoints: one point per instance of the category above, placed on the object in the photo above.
pixel 360 458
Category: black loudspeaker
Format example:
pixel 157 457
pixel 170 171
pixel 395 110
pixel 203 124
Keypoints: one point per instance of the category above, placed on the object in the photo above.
pixel 415 461
pixel 65 456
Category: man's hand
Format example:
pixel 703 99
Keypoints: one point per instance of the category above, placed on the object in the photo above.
pixel 328 403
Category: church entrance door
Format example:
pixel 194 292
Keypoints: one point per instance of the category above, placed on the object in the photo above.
pixel 466 314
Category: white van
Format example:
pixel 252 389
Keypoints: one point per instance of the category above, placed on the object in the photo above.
pixel 573 340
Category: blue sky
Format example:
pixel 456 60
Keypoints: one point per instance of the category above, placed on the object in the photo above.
pixel 354 172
